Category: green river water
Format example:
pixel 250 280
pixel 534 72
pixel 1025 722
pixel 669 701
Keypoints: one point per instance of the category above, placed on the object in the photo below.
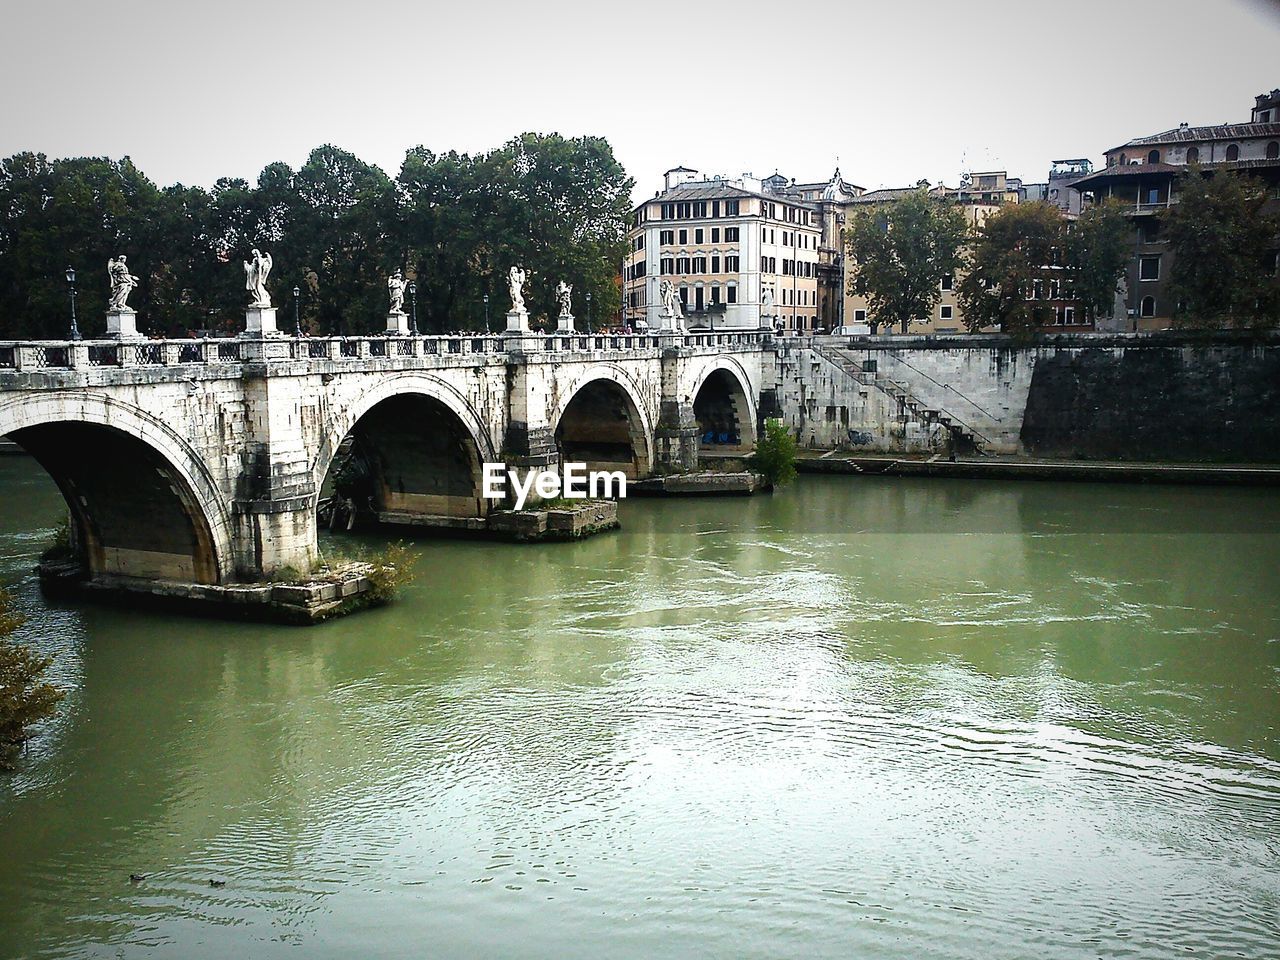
pixel 863 717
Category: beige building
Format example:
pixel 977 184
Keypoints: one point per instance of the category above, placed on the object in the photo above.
pixel 741 252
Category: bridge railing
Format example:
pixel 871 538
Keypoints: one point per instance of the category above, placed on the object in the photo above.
pixel 92 354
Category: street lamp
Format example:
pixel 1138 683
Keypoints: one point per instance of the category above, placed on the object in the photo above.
pixel 297 323
pixel 486 314
pixel 588 311
pixel 413 306
pixel 71 282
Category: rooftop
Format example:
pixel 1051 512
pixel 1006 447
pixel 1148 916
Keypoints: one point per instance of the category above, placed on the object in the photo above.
pixel 1185 134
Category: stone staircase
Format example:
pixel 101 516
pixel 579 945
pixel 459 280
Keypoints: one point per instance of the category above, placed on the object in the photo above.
pixel 910 406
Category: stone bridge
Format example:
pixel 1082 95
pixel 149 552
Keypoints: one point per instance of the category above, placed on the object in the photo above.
pixel 203 461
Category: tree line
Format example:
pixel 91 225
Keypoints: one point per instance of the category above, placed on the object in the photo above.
pixel 1017 261
pixel 336 228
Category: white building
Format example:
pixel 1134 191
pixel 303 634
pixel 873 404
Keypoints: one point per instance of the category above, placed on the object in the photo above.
pixel 729 246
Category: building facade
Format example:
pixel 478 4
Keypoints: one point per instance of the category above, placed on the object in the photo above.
pixel 1144 173
pixel 741 253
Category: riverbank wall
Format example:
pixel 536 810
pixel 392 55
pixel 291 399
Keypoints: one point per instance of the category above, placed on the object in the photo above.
pixel 1168 396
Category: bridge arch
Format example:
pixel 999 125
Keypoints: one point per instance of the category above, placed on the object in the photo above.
pixel 602 420
pixel 143 501
pixel 415 445
pixel 724 404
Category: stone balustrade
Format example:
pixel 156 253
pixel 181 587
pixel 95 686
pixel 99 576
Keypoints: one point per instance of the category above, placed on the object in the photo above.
pixel 31 355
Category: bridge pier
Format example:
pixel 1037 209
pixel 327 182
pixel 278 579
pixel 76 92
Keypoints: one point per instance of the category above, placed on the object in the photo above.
pixel 275 503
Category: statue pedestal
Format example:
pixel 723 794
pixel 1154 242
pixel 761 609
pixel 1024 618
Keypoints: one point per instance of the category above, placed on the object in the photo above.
pixel 564 323
pixel 260 322
pixel 397 324
pixel 670 323
pixel 123 325
pixel 518 321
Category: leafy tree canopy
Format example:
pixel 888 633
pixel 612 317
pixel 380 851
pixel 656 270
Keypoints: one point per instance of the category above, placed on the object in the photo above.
pixel 1015 248
pixel 1224 252
pixel 336 227
pixel 903 252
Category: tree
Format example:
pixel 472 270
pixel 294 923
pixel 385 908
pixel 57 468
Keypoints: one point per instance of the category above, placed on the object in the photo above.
pixel 1011 267
pixel 775 454
pixel 24 698
pixel 1098 248
pixel 904 251
pixel 1224 252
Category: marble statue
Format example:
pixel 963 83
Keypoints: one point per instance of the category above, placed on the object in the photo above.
pixel 766 300
pixel 671 300
pixel 395 288
pixel 256 271
pixel 564 295
pixel 516 277
pixel 122 284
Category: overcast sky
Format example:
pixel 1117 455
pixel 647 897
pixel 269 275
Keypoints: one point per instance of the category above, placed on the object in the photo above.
pixel 896 89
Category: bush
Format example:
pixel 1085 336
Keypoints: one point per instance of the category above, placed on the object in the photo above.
pixel 24 698
pixel 775 454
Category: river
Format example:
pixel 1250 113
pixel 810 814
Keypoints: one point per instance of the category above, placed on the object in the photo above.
pixel 863 717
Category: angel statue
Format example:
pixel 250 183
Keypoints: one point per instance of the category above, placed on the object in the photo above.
pixel 516 277
pixel 766 300
pixel 395 287
pixel 671 300
pixel 256 270
pixel 564 294
pixel 122 284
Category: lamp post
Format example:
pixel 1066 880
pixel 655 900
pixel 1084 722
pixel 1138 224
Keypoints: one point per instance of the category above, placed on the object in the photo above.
pixel 413 307
pixel 588 311
pixel 297 322
pixel 71 282
pixel 486 314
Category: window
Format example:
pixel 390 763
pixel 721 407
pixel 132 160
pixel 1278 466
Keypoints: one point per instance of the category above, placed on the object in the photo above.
pixel 684 236
pixel 682 264
pixel 639 244
pixel 715 264
pixel 715 293
pixel 731 294
pixel 715 234
pixel 697 235
pixel 944 312
pixel 859 316
pixel 666 265
pixel 731 264
pixel 1148 307
pixel 1193 155
pixel 1273 150
pixel 948 282
pixel 1069 313
pixel 1153 195
pixel 715 208
pixel 1149 268
pixel 730 234
pixel 667 237
pixel 1153 156
pixel 731 208
pixel 1233 152
pixel 699 264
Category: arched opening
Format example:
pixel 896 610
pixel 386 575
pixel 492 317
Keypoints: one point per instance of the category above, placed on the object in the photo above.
pixel 602 428
pixel 1233 152
pixel 725 419
pixel 1193 155
pixel 1273 150
pixel 1153 156
pixel 407 459
pixel 1148 308
pixel 133 513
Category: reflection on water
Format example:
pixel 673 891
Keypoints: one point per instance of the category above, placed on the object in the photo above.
pixel 863 717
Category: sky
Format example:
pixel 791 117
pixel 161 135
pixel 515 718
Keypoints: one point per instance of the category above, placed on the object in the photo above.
pixel 891 91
